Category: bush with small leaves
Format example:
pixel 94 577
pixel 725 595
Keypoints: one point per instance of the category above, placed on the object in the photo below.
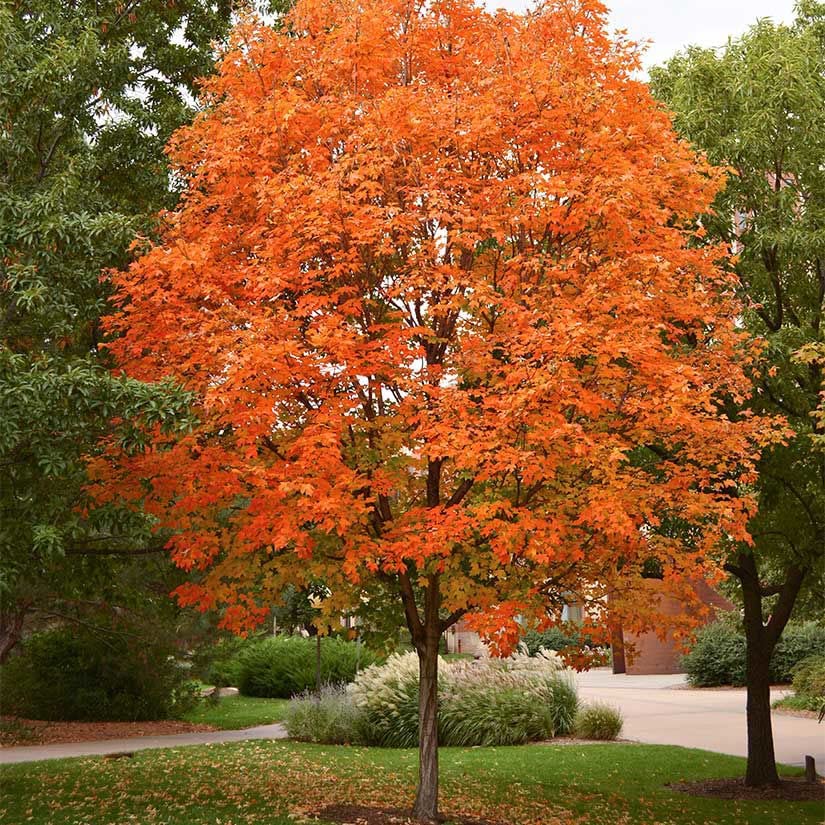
pixel 78 674
pixel 280 667
pixel 798 643
pixel 809 678
pixel 598 721
pixel 719 655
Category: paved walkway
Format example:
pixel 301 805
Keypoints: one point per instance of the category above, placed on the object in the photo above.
pixel 662 710
pixel 34 753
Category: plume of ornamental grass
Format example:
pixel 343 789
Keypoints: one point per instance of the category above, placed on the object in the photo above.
pixel 486 702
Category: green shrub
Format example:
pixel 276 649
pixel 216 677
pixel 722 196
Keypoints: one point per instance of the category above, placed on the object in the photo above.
pixel 598 721
pixel 489 702
pixel 553 638
pixel 279 667
pixel 217 663
pixel 76 674
pixel 331 718
pixel 797 643
pixel 717 658
pixel 719 655
pixel 809 677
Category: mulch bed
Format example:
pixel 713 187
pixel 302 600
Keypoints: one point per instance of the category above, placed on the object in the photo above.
pixel 15 731
pixel 364 815
pixel 790 790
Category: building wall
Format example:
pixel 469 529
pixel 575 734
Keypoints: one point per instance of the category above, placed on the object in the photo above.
pixel 648 653
pixel 460 639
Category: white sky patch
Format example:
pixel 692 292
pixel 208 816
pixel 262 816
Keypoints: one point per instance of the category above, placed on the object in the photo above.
pixel 672 25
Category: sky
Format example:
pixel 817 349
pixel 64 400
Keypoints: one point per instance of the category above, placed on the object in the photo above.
pixel 674 24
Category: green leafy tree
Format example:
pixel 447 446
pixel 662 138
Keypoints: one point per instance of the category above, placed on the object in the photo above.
pixel 89 94
pixel 758 106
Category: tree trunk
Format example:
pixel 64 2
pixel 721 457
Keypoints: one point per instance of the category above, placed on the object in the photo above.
pixel 761 769
pixel 11 628
pixel 426 800
pixel 318 664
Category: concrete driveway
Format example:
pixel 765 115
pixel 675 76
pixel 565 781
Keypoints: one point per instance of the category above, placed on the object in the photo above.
pixel 662 710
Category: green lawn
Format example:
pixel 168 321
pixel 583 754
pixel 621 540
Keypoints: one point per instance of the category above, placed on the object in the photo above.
pixel 797 701
pixel 278 783
pixel 236 712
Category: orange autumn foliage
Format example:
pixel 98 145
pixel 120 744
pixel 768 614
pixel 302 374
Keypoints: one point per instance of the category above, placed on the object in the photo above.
pixel 432 287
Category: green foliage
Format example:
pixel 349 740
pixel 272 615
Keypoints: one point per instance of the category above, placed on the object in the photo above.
pixel 809 677
pixel 800 701
pixel 719 655
pixel 216 662
pixel 756 108
pixel 89 94
pixel 553 638
pixel 284 666
pixel 331 718
pixel 598 721
pixel 79 674
pixel 798 642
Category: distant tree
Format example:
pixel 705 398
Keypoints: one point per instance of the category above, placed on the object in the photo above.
pixel 758 107
pixel 89 94
pixel 432 285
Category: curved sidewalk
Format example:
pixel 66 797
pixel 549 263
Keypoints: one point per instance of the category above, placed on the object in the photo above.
pixel 35 753
pixel 662 710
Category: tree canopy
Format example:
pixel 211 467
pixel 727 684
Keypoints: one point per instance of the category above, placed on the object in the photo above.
pixel 90 93
pixel 756 107
pixel 432 286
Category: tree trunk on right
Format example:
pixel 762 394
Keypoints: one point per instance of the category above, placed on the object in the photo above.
pixel 761 769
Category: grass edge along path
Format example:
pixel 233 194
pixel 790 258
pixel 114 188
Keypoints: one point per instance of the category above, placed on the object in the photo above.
pixel 281 783
pixel 237 712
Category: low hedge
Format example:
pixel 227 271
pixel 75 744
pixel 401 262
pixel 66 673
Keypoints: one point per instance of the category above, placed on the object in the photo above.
pixel 719 655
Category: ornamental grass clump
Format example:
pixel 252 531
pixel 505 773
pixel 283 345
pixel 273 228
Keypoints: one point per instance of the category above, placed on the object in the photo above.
pixel 487 702
pixel 598 721
pixel 330 718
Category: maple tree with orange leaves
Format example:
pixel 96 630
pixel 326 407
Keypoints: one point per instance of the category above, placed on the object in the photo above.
pixel 432 287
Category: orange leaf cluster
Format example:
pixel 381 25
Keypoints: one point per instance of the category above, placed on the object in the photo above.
pixel 433 287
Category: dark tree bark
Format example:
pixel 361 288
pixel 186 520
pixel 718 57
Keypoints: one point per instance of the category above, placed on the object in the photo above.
pixel 318 664
pixel 425 808
pixel 761 638
pixel 12 618
pixel 426 634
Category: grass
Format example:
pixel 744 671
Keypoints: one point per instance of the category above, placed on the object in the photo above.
pixel 798 701
pixel 278 783
pixel 457 657
pixel 237 712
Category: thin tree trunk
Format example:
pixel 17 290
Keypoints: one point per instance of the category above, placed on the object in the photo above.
pixel 318 664
pixel 11 628
pixel 426 635
pixel 426 800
